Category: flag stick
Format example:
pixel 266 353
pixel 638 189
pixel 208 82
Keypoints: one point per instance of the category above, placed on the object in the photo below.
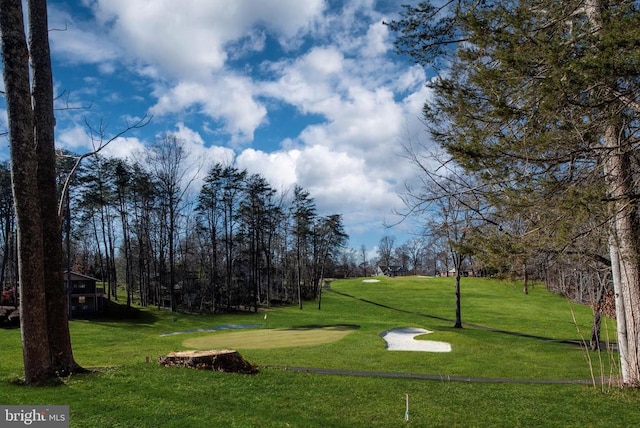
pixel 406 412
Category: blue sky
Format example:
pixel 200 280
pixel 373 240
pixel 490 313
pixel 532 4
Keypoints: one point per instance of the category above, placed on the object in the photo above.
pixel 303 92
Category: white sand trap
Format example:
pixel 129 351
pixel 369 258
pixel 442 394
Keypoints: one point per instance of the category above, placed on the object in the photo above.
pixel 370 280
pixel 403 339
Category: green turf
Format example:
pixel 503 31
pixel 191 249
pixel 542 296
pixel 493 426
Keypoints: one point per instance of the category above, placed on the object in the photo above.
pixel 269 338
pixel 128 392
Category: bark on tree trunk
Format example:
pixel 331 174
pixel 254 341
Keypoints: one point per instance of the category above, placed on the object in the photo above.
pixel 458 323
pixel 594 342
pixel 624 254
pixel 223 360
pixel 623 239
pixel 33 316
pixel 42 90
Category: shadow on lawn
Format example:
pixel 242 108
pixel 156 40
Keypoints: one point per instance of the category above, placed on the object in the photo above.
pixel 573 342
pixel 116 312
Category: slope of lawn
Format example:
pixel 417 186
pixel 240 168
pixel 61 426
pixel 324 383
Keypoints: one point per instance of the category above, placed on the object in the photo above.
pixel 129 392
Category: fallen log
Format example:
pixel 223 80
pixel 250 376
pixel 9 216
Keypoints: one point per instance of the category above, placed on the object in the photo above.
pixel 225 360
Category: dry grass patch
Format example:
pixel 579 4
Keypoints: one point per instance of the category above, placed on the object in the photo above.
pixel 270 338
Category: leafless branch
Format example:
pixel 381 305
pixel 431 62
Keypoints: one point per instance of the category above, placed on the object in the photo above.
pixel 68 107
pixel 98 145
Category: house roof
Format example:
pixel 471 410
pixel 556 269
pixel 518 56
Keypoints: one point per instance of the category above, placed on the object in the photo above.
pixel 392 268
pixel 75 276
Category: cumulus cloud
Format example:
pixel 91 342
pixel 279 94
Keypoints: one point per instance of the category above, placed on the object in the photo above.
pixel 278 168
pixel 308 82
pixel 377 42
pixel 124 148
pixel 188 38
pixel 217 74
pixel 75 139
pixel 79 42
pixel 228 98
pixel 199 153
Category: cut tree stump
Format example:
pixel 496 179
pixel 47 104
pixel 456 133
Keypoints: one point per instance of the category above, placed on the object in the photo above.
pixel 222 360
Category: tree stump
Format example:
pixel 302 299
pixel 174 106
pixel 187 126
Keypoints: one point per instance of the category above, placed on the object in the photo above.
pixel 223 361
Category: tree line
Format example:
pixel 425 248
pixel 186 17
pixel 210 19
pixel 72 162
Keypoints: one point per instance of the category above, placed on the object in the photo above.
pixel 142 228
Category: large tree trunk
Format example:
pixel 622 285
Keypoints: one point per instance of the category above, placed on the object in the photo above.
pixel 57 311
pixel 624 250
pixel 623 237
pixel 33 316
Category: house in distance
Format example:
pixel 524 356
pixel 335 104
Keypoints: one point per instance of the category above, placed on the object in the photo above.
pixel 86 298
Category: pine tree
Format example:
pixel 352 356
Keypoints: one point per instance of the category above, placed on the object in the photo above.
pixel 540 100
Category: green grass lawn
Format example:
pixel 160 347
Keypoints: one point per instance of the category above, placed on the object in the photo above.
pixel 129 392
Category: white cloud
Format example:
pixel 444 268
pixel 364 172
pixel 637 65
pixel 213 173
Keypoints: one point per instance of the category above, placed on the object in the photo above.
pixel 228 98
pixel 79 42
pixel 338 182
pixel 77 140
pixel 335 179
pixel 74 139
pixel 412 79
pixel 123 148
pixel 198 152
pixel 211 65
pixel 321 63
pixel 188 135
pixel 376 40
pixel 278 168
pixel 309 82
pixel 184 47
pixel 187 39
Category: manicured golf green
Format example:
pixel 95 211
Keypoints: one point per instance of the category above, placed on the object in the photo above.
pixel 269 338
pixel 519 355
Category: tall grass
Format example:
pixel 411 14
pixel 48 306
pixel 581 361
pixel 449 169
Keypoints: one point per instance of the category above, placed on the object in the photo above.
pixel 129 392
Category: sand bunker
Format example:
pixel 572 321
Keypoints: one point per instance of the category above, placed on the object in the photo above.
pixel 403 339
pixel 370 280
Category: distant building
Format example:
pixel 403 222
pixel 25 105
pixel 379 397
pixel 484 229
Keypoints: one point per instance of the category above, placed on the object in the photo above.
pixel 391 271
pixel 86 296
pixel 452 272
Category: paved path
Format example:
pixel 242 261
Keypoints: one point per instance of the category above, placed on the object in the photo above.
pixel 444 378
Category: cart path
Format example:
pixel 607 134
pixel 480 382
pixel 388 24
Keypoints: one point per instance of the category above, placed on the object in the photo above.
pixel 442 378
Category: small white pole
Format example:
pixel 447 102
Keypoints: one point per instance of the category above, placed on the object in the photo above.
pixel 406 412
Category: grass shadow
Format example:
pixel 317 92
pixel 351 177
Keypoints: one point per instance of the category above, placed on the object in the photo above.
pixel 337 327
pixel 116 312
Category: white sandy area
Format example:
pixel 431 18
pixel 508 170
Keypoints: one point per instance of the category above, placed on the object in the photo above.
pixel 403 339
pixel 370 280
